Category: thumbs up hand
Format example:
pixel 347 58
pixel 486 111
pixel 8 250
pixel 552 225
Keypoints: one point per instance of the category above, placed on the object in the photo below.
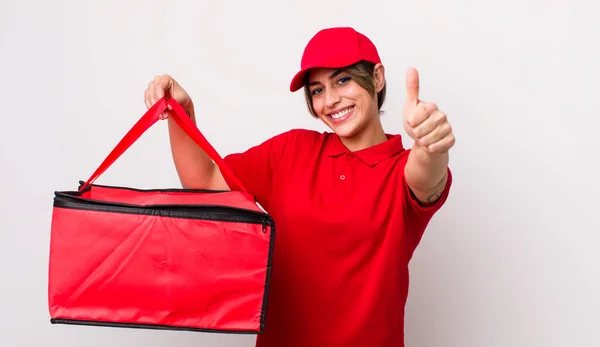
pixel 423 121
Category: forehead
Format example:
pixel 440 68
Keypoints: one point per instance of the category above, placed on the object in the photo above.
pixel 321 74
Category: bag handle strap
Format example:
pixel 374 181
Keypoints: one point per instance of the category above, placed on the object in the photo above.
pixel 185 123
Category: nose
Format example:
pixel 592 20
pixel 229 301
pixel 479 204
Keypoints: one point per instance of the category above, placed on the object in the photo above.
pixel 332 98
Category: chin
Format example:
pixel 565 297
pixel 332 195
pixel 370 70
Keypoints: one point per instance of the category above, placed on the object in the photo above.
pixel 347 130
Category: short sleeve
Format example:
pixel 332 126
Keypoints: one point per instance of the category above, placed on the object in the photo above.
pixel 256 167
pixel 418 215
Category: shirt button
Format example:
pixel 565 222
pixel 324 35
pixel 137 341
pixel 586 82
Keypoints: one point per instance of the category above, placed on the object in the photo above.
pixel 350 156
pixel 342 177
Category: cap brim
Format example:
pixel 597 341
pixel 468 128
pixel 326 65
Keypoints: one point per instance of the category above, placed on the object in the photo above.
pixel 298 80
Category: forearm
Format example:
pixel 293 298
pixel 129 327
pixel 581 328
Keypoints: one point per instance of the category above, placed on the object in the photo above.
pixel 426 170
pixel 426 173
pixel 194 167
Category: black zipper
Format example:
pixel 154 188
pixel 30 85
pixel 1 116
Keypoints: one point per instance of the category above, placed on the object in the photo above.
pixel 115 324
pixel 158 190
pixel 203 212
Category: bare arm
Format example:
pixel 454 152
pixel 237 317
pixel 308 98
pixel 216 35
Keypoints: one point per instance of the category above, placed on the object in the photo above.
pixel 426 170
pixel 426 174
pixel 194 167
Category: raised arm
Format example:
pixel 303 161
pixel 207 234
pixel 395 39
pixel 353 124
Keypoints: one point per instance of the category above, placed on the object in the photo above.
pixel 194 167
pixel 426 170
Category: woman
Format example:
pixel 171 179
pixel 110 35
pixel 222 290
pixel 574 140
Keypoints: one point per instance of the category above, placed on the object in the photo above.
pixel 350 205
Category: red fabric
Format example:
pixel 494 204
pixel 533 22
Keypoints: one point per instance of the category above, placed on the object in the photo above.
pixel 170 197
pixel 334 48
pixel 146 121
pixel 347 226
pixel 157 269
pixel 169 259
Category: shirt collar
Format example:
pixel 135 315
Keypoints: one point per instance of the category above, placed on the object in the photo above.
pixel 371 155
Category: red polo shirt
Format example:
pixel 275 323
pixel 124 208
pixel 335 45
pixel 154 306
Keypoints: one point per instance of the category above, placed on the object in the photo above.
pixel 346 228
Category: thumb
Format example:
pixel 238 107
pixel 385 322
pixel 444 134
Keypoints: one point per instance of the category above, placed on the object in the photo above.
pixel 412 87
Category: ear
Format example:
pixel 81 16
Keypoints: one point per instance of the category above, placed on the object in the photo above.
pixel 379 77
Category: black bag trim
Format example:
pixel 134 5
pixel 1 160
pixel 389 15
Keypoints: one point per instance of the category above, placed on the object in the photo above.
pixel 152 326
pixel 72 200
pixel 154 190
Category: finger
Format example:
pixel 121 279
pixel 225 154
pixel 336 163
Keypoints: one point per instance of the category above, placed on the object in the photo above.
pixel 436 134
pixel 412 88
pixel 169 86
pixel 146 99
pixel 420 113
pixel 429 124
pixel 159 89
pixel 151 92
pixel 443 145
pixel 165 114
pixel 410 130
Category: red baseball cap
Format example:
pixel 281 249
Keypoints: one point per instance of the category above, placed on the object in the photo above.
pixel 334 48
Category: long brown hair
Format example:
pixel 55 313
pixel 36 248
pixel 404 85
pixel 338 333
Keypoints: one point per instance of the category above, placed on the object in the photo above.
pixel 362 73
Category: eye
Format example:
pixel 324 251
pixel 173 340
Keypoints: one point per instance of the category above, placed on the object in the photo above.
pixel 316 91
pixel 344 80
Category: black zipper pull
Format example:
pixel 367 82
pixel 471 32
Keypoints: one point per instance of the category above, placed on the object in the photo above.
pixel 264 225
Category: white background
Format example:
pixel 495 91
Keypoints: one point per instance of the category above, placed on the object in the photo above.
pixel 511 260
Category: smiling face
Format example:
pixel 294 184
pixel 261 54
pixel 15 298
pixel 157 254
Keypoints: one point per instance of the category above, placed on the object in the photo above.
pixel 348 100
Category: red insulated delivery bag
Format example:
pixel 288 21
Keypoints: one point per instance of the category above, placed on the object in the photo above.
pixel 160 258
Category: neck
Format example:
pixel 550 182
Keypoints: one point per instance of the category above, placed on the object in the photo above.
pixel 368 137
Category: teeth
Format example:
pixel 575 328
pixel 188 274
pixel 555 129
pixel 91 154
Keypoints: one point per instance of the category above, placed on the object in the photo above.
pixel 340 114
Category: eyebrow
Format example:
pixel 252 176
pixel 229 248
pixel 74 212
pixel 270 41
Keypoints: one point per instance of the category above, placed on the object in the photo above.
pixel 335 73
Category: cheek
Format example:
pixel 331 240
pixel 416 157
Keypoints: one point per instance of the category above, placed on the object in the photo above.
pixel 317 105
pixel 355 93
pixel 364 100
